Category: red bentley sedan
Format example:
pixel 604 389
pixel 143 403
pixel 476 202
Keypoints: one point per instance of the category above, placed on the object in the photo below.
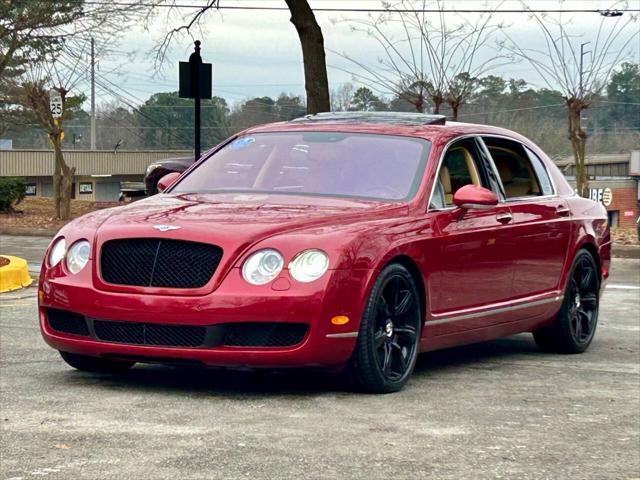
pixel 335 240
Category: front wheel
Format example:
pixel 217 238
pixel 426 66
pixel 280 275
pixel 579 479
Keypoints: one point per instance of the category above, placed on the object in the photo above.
pixel 387 345
pixel 95 364
pixel 575 325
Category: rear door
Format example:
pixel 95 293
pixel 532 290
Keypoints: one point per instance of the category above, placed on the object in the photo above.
pixel 541 224
pixel 474 264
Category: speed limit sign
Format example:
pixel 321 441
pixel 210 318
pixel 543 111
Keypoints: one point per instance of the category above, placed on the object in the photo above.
pixel 55 103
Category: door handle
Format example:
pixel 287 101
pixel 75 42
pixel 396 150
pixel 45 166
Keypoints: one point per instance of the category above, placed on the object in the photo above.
pixel 563 211
pixel 504 218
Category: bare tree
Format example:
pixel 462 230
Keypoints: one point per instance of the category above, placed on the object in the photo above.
pixel 309 33
pixel 341 97
pixel 581 76
pixel 426 56
pixel 36 96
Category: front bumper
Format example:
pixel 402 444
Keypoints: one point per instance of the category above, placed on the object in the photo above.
pixel 233 302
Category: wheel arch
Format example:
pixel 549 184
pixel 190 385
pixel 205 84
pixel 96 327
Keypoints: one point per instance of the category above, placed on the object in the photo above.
pixel 407 262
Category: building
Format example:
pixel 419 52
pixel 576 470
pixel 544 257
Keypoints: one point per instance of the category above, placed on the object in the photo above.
pixel 614 180
pixel 98 176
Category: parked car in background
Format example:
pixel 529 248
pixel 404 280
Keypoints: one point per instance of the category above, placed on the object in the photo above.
pixel 350 241
pixel 160 168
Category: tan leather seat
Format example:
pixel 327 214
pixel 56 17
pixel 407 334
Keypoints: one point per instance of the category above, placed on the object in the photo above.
pixel 513 187
pixel 445 181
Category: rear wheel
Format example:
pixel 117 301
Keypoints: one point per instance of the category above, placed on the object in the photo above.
pixel 95 364
pixel 575 325
pixel 387 344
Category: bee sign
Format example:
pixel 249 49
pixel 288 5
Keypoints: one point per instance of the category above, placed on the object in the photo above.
pixel 55 103
pixel 601 195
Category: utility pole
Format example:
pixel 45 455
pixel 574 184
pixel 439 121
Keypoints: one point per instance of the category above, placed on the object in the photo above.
pixel 93 95
pixel 196 61
pixel 582 54
pixel 195 82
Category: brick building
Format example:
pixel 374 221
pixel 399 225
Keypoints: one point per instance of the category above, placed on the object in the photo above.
pixel 614 180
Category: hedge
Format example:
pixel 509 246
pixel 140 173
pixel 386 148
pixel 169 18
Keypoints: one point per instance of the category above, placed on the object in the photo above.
pixel 12 192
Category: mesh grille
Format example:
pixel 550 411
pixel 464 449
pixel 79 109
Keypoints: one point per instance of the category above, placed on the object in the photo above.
pixel 67 322
pixel 154 262
pixel 150 333
pixel 265 334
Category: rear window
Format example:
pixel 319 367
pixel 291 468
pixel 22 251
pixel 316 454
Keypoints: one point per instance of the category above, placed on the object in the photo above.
pixel 380 167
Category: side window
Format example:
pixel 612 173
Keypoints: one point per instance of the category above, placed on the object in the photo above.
pixel 515 169
pixel 459 168
pixel 541 172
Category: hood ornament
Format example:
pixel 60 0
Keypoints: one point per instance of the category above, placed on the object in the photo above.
pixel 166 228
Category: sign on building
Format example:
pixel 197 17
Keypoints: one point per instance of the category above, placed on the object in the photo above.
pixel 601 195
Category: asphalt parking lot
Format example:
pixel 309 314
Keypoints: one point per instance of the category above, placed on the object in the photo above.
pixel 499 409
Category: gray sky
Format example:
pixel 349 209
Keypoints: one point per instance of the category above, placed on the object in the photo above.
pixel 257 53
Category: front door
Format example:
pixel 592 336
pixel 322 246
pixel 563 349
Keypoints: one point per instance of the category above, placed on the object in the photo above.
pixel 473 268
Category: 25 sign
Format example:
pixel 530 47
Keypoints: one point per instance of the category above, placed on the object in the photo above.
pixel 55 103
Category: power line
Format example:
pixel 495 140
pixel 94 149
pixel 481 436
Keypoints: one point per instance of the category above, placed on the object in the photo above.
pixel 604 12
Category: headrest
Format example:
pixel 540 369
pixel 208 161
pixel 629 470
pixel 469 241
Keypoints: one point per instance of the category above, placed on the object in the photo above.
pixel 445 179
pixel 506 168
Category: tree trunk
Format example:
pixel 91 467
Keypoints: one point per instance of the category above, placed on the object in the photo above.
pixel 419 103
pixel 62 181
pixel 315 68
pixel 578 138
pixel 437 103
pixel 455 106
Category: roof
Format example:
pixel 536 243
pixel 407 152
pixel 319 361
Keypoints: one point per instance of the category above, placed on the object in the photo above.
pixel 385 125
pixel 597 159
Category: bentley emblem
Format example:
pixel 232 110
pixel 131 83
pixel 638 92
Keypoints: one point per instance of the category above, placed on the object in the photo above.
pixel 166 228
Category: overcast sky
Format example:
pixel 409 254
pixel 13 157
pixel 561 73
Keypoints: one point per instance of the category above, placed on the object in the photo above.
pixel 256 53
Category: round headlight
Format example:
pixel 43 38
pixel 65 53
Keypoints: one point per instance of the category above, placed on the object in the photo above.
pixel 309 265
pixel 262 267
pixel 57 252
pixel 78 256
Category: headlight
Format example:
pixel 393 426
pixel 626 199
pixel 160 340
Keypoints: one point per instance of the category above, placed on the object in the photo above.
pixel 78 256
pixel 262 267
pixel 309 265
pixel 57 252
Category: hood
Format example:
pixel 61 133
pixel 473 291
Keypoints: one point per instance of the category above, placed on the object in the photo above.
pixel 237 222
pixel 250 216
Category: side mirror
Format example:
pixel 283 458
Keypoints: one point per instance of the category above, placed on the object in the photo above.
pixel 473 196
pixel 168 180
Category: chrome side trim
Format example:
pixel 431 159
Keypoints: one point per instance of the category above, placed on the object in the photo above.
pixel 342 335
pixel 494 311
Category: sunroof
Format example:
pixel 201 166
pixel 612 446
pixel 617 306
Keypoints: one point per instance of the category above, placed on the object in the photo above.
pixel 397 118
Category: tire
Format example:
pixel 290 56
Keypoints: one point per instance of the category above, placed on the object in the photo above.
pixel 95 364
pixel 575 324
pixel 387 345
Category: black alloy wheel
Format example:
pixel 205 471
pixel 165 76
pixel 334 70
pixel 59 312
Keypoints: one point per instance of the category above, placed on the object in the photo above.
pixel 387 345
pixel 575 325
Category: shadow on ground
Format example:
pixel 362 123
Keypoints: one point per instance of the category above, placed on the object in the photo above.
pixel 211 381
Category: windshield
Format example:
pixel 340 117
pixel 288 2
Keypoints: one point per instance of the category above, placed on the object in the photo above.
pixel 314 163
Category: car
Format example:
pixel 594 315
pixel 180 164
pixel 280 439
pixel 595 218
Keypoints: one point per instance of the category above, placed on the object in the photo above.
pixel 158 169
pixel 350 242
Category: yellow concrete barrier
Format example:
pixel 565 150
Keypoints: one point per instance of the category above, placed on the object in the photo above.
pixel 14 273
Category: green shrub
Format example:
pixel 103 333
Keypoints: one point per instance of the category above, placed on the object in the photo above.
pixel 12 192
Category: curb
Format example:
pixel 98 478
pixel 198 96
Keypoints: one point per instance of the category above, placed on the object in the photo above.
pixel 625 251
pixel 29 232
